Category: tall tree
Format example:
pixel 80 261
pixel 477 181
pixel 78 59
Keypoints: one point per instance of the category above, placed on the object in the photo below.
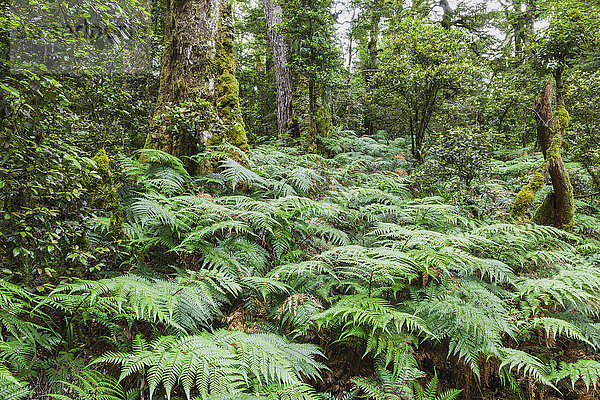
pixel 572 33
pixel 523 21
pixel 4 55
pixel 283 78
pixel 369 60
pixel 308 28
pixel 197 73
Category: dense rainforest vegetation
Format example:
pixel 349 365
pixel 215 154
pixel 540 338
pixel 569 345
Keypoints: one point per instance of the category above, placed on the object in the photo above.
pixel 299 199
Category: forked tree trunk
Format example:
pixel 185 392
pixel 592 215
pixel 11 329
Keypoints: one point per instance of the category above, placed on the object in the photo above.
pixel 558 208
pixel 283 79
pixel 198 66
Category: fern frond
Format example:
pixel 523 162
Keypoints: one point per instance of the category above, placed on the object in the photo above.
pixel 192 361
pixel 179 305
pixel 560 327
pixel 528 364
pixel 13 390
pixel 375 314
pixel 588 371
pixel 89 384
pixel 235 173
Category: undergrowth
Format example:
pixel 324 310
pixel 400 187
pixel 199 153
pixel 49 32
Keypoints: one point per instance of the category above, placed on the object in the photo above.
pixel 236 285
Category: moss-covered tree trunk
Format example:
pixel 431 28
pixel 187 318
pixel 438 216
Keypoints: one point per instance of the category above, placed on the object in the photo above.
pixel 198 70
pixel 558 208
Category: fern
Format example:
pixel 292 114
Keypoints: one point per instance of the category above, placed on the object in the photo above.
pixel 217 363
pixel 528 364
pixel 471 317
pixel 181 304
pixel 559 327
pixel 588 371
pixel 93 385
pixel 192 361
pixel 389 386
pixel 236 173
pixel 430 393
pixel 11 389
pixel 570 288
pixel 375 314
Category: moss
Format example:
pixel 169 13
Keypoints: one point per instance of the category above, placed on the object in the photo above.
pixel 224 60
pixel 116 218
pixel 527 194
pixel 553 152
pixel 228 96
pixel 104 194
pixel 562 118
pixel 236 136
pixel 102 164
pixel 544 215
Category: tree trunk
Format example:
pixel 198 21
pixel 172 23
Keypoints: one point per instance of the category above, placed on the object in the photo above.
pixel 4 39
pixel 530 11
pixel 523 23
pixel 558 208
pixel 4 58
pixel 371 66
pixel 283 78
pixel 197 71
pixel 517 26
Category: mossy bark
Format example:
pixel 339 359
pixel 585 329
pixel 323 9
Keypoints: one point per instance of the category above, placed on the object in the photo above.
pixel 527 194
pixel 558 209
pixel 104 194
pixel 198 66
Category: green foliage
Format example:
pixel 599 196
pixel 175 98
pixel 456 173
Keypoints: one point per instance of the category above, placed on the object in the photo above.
pixel 309 29
pixel 93 385
pixel 587 371
pixel 422 64
pixel 390 386
pixel 222 362
pixel 283 275
pixel 460 153
pixel 572 31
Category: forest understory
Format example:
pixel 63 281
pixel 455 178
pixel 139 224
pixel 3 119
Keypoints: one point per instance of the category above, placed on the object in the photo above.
pixel 217 200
